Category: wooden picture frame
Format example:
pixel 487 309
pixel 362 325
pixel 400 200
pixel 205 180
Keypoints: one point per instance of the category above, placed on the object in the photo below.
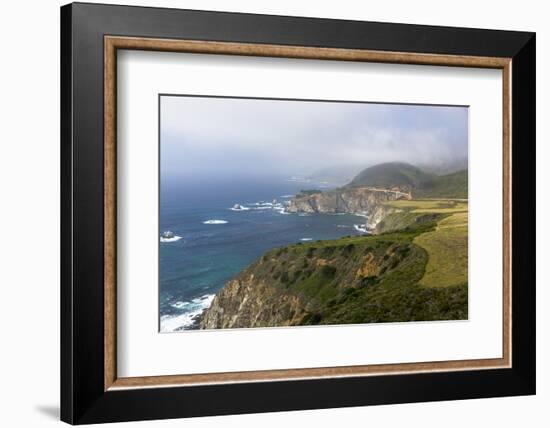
pixel 91 390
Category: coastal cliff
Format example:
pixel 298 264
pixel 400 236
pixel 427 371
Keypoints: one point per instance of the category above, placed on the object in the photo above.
pixel 369 192
pixel 365 201
pixel 413 267
pixel 361 279
pixel 248 301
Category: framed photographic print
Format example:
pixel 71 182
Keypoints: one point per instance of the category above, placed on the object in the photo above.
pixel 266 213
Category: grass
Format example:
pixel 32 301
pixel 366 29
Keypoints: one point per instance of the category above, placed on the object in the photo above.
pixel 453 185
pixel 459 219
pixel 408 177
pixel 446 245
pixel 447 248
pixel 431 205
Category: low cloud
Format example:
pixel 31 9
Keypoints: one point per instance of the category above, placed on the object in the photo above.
pixel 227 136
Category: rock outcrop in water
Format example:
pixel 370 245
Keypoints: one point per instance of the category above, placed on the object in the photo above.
pixel 367 201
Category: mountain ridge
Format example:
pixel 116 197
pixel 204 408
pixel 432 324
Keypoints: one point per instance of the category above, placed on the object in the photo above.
pixel 409 178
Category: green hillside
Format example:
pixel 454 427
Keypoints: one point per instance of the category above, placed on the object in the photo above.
pixel 453 185
pixel 392 174
pixel 414 268
pixel 364 279
pixel 411 178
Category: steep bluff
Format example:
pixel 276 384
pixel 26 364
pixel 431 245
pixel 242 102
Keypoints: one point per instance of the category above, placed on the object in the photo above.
pixel 359 279
pixel 249 302
pixel 366 201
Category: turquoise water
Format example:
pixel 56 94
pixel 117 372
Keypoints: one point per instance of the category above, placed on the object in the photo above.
pixel 214 242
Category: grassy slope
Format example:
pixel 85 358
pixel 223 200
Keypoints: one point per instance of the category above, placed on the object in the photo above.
pixel 391 174
pixel 453 185
pixel 423 185
pixel 378 278
pixel 446 245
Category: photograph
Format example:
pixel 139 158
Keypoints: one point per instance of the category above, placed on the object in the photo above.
pixel 276 210
pixel 290 212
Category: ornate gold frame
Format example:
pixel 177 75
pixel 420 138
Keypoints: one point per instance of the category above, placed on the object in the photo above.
pixel 113 43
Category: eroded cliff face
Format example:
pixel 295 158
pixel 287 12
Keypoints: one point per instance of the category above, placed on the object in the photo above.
pixel 348 280
pixel 247 301
pixel 363 200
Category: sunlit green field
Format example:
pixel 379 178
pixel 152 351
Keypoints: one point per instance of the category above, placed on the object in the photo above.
pixel 447 245
pixel 431 205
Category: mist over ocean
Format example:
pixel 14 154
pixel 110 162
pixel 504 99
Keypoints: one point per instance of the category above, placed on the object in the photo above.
pixel 214 241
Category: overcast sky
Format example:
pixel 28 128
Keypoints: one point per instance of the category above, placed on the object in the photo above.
pixel 221 136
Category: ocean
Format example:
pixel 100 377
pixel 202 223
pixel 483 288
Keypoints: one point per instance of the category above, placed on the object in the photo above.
pixel 220 227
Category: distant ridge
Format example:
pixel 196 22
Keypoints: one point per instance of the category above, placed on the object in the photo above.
pixel 409 178
pixel 453 185
pixel 392 174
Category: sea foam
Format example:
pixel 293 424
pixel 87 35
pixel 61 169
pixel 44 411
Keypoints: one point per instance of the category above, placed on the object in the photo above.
pixel 170 323
pixel 214 222
pixel 173 239
pixel 360 228
pixel 240 208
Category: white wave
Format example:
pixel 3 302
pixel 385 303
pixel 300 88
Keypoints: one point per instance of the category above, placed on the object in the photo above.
pixel 264 206
pixel 281 210
pixel 196 306
pixel 360 228
pixel 214 222
pixel 304 215
pixel 173 239
pixel 306 239
pixel 261 204
pixel 239 208
pixel 286 196
pixel 342 225
pixel 180 305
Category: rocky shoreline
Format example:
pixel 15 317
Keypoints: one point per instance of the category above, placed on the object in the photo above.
pixel 248 301
pixel 349 280
pixel 365 201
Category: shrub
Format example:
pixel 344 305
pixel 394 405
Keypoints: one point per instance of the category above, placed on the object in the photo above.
pixel 313 318
pixel 348 249
pixel 310 251
pixel 328 251
pixel 369 280
pixel 328 271
pixel 281 251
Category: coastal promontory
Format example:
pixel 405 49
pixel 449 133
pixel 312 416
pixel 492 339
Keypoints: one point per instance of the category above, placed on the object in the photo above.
pixel 412 267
